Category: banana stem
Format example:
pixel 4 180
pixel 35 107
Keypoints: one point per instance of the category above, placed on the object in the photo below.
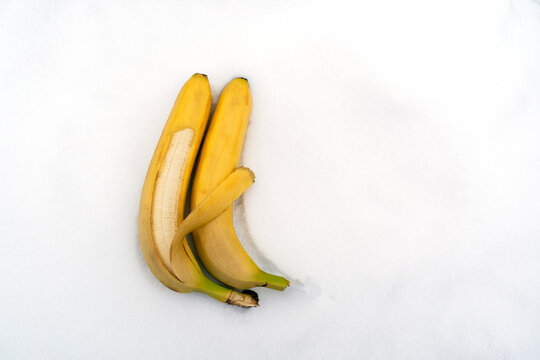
pixel 273 281
pixel 228 296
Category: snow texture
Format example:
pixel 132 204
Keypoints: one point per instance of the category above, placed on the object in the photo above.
pixel 396 148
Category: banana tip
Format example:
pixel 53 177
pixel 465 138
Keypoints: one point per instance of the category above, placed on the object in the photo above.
pixel 247 299
pixel 252 293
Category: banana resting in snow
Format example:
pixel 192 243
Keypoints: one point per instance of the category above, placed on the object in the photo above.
pixel 217 183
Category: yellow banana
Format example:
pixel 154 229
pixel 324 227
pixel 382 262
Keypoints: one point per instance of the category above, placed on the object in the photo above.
pixel 216 242
pixel 164 195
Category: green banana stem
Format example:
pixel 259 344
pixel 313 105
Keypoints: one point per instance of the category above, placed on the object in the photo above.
pixel 273 281
pixel 220 293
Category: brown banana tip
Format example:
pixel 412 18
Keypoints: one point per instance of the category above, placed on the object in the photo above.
pixel 252 293
pixel 246 300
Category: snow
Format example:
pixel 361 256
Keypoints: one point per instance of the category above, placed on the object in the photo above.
pixel 396 151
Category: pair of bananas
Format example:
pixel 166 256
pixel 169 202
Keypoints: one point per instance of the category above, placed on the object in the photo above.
pixel 217 182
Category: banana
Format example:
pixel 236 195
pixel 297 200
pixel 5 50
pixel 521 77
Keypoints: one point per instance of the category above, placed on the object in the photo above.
pixel 216 242
pixel 164 195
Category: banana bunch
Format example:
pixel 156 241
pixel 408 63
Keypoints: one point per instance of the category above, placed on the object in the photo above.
pixel 217 183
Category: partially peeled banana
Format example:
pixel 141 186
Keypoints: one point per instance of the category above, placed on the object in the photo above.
pixel 162 225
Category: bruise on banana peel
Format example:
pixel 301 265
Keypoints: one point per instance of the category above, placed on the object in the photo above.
pixel 216 242
pixel 164 195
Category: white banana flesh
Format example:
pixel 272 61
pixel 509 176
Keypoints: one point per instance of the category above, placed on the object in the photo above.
pixel 167 193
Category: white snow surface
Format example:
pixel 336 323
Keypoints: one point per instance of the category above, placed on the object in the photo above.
pixel 396 148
